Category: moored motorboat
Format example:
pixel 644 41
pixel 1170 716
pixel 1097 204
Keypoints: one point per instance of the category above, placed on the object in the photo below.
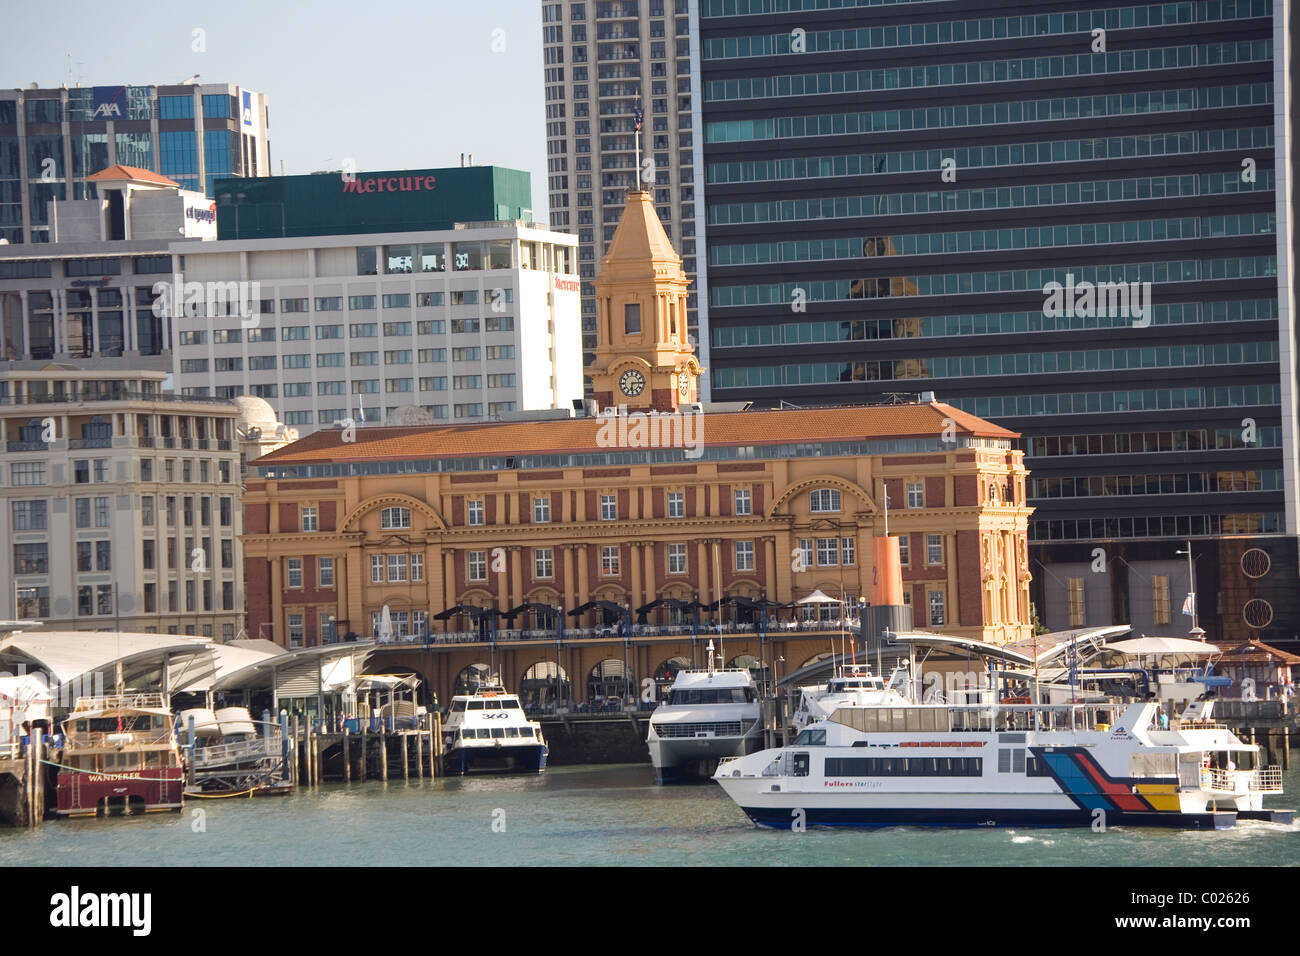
pixel 119 756
pixel 854 685
pixel 1095 765
pixel 487 730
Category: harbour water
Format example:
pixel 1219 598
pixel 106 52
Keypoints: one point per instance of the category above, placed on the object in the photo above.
pixel 589 816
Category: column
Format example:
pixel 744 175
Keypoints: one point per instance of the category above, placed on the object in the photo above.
pixel 277 597
pixel 637 596
pixel 769 565
pixel 584 590
pixel 704 566
pixel 516 577
pixel 448 578
pixel 569 600
pixel 952 605
pixel 648 566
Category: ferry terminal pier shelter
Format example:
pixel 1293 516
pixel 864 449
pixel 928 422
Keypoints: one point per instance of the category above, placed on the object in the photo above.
pixel 487 538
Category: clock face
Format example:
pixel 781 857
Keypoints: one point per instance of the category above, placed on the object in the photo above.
pixel 631 382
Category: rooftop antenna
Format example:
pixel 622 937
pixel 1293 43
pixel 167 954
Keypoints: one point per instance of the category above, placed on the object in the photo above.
pixel 709 649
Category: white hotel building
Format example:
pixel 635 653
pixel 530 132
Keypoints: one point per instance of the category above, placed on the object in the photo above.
pixel 465 323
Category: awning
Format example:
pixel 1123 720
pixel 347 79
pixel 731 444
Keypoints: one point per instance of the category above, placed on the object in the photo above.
pixel 1163 647
pixel 817 597
pixel 88 660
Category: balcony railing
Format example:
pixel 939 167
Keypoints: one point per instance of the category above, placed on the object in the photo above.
pixel 27 446
pixel 116 396
pixel 90 442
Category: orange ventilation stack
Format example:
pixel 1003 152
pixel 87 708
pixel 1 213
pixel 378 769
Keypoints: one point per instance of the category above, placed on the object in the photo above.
pixel 886 573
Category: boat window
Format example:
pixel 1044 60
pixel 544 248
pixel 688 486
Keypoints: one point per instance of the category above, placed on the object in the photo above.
pixel 498 731
pixel 904 766
pixel 712 695
pixel 510 703
pixel 475 705
pixel 491 705
pixel 512 732
pixel 811 738
pixel 457 706
pixel 799 765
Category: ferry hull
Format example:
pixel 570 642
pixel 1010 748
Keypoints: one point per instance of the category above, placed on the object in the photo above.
pixel 783 818
pixel 89 794
pixel 526 759
pixel 682 760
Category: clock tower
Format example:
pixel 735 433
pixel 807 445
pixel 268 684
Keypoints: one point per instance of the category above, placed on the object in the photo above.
pixel 644 359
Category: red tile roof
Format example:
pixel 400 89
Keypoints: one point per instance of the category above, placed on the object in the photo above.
pixel 131 172
pixel 578 435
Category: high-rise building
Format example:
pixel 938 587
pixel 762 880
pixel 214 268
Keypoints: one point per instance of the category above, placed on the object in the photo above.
pixel 52 140
pixel 381 296
pixel 604 61
pixel 1070 220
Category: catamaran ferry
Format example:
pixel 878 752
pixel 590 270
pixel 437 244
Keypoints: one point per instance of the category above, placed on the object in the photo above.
pixel 1001 766
pixel 709 714
pixel 487 730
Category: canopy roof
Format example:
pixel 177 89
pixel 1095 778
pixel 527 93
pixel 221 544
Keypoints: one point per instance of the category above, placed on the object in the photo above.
pixel 817 597
pixel 1163 647
pixel 227 660
pixel 951 642
pixel 81 655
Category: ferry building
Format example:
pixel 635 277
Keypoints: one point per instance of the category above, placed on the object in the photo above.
pixel 654 513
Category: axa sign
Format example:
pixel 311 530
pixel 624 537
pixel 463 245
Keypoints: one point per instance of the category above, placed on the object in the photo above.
pixel 388 184
pixel 107 102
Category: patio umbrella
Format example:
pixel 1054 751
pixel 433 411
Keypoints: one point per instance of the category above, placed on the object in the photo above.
pixel 385 624
pixel 817 597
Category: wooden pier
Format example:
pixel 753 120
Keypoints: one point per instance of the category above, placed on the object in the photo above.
pixel 372 753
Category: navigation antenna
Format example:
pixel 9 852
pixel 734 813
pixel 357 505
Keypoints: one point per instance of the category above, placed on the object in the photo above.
pixel 709 649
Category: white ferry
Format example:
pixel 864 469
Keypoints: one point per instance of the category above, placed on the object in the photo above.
pixel 854 686
pixel 487 730
pixel 1003 766
pixel 709 714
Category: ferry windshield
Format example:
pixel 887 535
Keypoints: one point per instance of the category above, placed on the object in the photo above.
pixel 475 705
pixel 712 695
pixel 811 738
pixel 458 706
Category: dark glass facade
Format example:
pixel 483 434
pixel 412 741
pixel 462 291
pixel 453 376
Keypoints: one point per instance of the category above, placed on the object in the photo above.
pixel 922 196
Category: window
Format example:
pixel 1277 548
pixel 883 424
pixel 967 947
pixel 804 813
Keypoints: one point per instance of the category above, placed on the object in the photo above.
pixel 806 552
pixel 34 558
pixel 29 515
pixel 476 565
pixel 394 518
pixel 541 510
pixel 474 511
pixel 1159 597
pixel 744 556
pixel 905 550
pixel 936 609
pixel 676 504
pixel 27 473
pixel 417 567
pixel 309 519
pixel 934 549
pixel 632 318
pixel 608 508
pixel 376 569
pixel 827 552
pixel 396 567
pixel 295 630
pixel 102 513
pixel 85 555
pixel 543 562
pixel 1077 608
pixel 676 559
pixel 609 560
pixel 81 471
pixel 848 551
pixel 33 602
pixel 227 555
pixel 742 501
pixel 915 494
pixel 294 566
pixel 325 572
pixel 824 499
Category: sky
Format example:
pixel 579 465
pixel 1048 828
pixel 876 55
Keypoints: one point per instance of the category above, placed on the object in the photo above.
pixel 388 86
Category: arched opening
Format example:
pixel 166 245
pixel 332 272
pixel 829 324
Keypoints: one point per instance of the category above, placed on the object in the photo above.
pixel 666 673
pixel 469 679
pixel 609 685
pixel 544 687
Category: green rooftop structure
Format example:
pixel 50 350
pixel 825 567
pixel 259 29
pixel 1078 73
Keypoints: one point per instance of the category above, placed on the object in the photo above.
pixel 332 204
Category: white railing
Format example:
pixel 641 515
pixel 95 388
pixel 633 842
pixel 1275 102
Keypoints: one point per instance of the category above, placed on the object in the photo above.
pixel 253 749
pixel 119 702
pixel 1267 780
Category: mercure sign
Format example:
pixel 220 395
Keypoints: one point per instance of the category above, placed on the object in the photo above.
pixel 388 184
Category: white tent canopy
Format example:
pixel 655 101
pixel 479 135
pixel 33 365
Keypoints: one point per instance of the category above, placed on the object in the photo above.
pixel 89 659
pixel 1163 647
pixel 817 597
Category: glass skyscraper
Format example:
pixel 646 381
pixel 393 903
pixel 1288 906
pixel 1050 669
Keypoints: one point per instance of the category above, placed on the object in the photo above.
pixel 52 139
pixel 1062 216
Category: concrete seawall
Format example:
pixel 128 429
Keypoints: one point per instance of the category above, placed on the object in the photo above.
pixel 596 738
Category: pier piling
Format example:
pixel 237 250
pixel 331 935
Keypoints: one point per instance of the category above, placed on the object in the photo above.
pixel 347 755
pixel 419 754
pixel 383 752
